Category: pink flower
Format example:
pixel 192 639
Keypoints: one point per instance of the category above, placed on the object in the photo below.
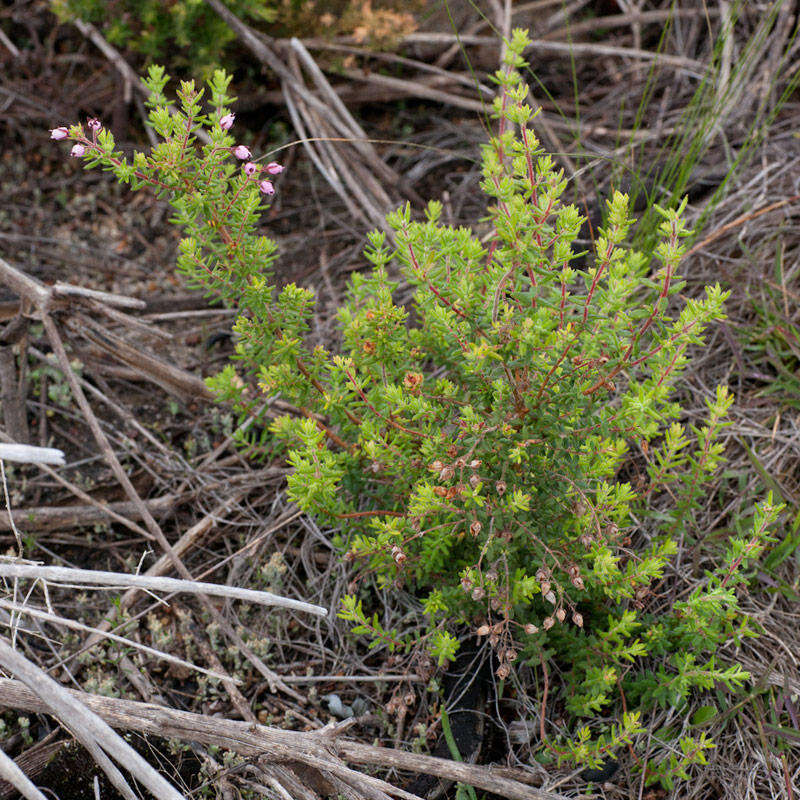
pixel 59 133
pixel 266 187
pixel 241 152
pixel 226 123
pixel 274 168
pixel 250 168
pixel 77 150
pixel 94 124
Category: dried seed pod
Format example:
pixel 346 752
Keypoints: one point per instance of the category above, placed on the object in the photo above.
pixel 531 629
pixel 409 698
pixel 475 463
pixel 501 487
pixel 398 555
pixel 551 598
pixel 478 593
pixel 437 466
pixel 545 587
pixel 561 615
pixel 484 630
pixel 548 623
pixel 447 473
pixel 577 618
pixel 440 491
pixel 474 481
pixel 491 575
pixel 542 574
pixel 494 639
pixel 510 655
pixel 577 582
pixel 475 528
pixel 503 671
pixel 460 462
pixel 496 603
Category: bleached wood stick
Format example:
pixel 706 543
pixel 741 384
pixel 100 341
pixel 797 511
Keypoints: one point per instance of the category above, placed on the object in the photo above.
pixel 28 454
pixel 170 585
pixel 10 771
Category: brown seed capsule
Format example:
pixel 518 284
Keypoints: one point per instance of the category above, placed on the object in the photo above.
pixel 496 603
pixel 409 699
pixel 501 487
pixel 510 655
pixel 561 615
pixel 437 466
pixel 551 598
pixel 545 587
pixel 542 574
pixel 491 575
pixel 503 671
pixel 440 491
pixel 548 623
pixel 577 582
pixel 475 463
pixel 474 480
pixel 447 473
pixel 484 630
pixel 494 639
pixel 478 593
pixel 578 619
pixel 475 528
pixel 530 629
pixel 412 381
pixel 398 555
pixel 460 462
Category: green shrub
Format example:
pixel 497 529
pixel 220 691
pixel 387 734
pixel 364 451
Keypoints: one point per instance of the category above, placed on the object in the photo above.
pixel 190 36
pixel 189 33
pixel 508 446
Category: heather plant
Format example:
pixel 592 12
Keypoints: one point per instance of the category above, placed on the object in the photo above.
pixel 507 447
pixel 191 36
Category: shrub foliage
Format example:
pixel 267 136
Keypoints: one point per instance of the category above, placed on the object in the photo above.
pixel 506 445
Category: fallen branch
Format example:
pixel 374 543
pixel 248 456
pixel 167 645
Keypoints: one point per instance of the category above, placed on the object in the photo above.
pixel 319 749
pixel 90 577
pixel 49 518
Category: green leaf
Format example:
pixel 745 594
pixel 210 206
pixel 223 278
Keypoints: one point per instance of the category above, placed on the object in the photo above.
pixel 704 714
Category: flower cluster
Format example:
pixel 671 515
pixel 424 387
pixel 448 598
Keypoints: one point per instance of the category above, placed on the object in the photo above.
pixel 94 147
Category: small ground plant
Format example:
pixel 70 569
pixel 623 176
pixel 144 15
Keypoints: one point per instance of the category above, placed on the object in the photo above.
pixel 507 447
